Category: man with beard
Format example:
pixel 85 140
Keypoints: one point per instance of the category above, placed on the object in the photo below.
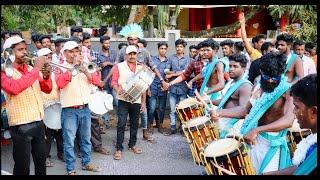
pixel 304 94
pixel 270 114
pixel 237 95
pixel 294 67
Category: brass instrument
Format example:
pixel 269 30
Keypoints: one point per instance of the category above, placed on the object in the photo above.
pixel 7 66
pixel 55 66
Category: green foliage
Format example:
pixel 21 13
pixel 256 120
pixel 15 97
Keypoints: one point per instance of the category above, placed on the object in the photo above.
pixel 306 15
pixel 45 18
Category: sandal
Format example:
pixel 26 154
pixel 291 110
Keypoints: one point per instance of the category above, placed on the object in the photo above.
pixel 49 163
pixel 117 155
pixel 135 150
pixel 103 151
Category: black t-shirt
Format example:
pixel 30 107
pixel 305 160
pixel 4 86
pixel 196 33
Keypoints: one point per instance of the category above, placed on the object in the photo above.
pixel 254 70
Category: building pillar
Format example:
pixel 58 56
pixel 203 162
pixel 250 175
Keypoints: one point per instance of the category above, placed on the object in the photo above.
pixel 283 22
pixel 208 18
pixel 192 18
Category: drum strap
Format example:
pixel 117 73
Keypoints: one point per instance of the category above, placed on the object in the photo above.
pixel 276 142
pixel 206 73
pixel 290 62
pixel 262 104
pixel 308 165
pixel 232 89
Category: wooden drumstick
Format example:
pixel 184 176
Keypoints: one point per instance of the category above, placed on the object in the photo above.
pixel 201 99
pixel 213 106
pixel 224 170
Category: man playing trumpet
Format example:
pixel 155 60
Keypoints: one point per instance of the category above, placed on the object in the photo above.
pixel 23 88
pixel 75 115
pixel 52 109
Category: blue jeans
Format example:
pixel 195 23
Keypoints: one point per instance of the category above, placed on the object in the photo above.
pixel 73 119
pixel 153 101
pixel 144 119
pixel 174 99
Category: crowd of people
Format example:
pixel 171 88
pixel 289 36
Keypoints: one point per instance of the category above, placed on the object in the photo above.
pixel 260 88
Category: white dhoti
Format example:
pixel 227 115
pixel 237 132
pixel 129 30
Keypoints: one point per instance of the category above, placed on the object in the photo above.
pixel 258 153
pixel 52 116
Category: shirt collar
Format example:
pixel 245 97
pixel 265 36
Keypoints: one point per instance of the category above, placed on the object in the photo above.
pixel 22 68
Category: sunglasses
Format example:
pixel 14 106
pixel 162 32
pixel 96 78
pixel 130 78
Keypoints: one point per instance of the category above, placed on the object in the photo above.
pixel 266 77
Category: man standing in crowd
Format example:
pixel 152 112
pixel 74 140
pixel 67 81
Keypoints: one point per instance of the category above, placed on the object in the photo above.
pixel 75 115
pixel 294 67
pixel 52 113
pixel 122 72
pixel 257 41
pixel 176 65
pixel 23 86
pixel 157 95
pixel 308 64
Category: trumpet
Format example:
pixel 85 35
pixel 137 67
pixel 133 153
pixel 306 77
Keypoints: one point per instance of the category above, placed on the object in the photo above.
pixel 91 67
pixel 55 67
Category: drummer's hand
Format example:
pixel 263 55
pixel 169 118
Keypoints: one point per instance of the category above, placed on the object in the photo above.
pixel 143 107
pixel 120 91
pixel 251 137
pixel 214 115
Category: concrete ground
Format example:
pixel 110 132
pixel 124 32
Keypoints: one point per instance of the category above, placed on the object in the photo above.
pixel 169 155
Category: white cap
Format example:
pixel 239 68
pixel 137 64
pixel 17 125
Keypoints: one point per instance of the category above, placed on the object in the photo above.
pixel 11 41
pixel 69 45
pixel 131 48
pixel 43 52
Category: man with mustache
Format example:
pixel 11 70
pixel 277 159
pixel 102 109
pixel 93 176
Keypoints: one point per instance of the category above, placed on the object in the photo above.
pixel 304 94
pixel 268 115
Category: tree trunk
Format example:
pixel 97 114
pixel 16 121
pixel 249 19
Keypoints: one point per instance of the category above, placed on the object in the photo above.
pixel 132 14
pixel 151 24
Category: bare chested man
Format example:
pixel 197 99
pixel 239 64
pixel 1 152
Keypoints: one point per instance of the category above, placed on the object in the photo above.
pixel 238 94
pixel 294 67
pixel 270 114
pixel 213 72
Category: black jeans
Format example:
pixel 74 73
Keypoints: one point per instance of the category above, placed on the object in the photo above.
pixel 54 134
pixel 29 138
pixel 96 140
pixel 125 108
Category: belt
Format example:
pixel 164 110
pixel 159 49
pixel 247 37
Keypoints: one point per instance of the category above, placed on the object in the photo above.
pixel 79 107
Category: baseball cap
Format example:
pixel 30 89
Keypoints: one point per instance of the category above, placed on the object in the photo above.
pixel 44 51
pixel 131 48
pixel 12 41
pixel 69 45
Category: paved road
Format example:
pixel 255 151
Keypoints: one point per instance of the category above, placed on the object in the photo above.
pixel 170 155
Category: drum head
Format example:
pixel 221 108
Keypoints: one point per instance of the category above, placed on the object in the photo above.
pixel 100 102
pixel 189 102
pixel 197 121
pixel 52 116
pixel 221 147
